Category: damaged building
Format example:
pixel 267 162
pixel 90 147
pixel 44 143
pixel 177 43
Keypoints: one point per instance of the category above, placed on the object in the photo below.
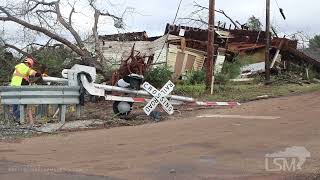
pixel 184 48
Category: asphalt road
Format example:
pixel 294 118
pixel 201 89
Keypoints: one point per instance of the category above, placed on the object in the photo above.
pixel 209 144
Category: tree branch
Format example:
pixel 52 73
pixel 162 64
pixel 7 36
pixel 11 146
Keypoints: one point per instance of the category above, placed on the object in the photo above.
pixel 68 27
pixel 228 17
pixel 42 30
pixel 17 49
pixel 97 14
pixel 104 13
pixel 4 19
pixel 96 36
pixel 42 9
pixel 42 46
pixel 201 8
pixel 46 11
pixel 110 15
pixel 37 3
pixel 41 18
pixel 72 11
pixel 70 16
pixel 44 2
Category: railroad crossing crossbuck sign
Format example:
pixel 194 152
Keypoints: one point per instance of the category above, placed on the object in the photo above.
pixel 159 97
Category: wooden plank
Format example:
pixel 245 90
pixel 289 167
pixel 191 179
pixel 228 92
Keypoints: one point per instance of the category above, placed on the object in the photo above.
pixel 179 64
pixel 190 62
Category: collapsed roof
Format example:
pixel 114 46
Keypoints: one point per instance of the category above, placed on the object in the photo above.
pixel 132 36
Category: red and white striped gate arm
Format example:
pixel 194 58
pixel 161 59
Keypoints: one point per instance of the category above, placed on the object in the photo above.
pixel 212 104
pixel 197 103
pixel 135 100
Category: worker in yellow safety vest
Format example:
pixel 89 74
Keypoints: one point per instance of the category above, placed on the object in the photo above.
pixel 21 76
pixel 22 73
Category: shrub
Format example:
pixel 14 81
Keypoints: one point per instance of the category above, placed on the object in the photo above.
pixel 196 77
pixel 220 79
pixel 158 76
pixel 232 70
pixel 229 71
pixel 7 63
pixel 53 59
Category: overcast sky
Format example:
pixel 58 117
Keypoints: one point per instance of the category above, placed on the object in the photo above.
pixel 301 15
pixel 152 15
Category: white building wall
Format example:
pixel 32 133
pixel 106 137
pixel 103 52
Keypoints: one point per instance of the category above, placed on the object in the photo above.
pixel 117 51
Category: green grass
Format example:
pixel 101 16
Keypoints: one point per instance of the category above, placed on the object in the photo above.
pixel 244 93
pixel 190 90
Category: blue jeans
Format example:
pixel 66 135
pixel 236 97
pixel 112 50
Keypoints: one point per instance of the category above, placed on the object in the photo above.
pixel 16 111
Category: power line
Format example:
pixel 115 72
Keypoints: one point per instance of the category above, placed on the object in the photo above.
pixel 282 13
pixel 175 18
pixel 281 10
pixel 174 21
pixel 277 4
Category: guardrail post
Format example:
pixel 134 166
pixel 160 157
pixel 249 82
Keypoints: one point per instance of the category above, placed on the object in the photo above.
pixel 6 110
pixel 42 111
pixel 63 110
pixel 78 110
pixel 22 114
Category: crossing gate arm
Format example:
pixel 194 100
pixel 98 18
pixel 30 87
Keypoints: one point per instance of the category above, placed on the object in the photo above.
pixel 99 90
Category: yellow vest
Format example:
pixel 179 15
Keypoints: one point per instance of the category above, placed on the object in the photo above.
pixel 22 71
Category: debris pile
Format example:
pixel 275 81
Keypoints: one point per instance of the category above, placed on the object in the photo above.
pixel 134 64
pixel 184 49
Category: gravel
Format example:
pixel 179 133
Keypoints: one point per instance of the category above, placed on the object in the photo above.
pixel 15 131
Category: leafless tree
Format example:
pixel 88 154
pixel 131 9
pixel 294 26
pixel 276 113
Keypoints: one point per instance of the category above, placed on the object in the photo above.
pixel 302 38
pixel 197 16
pixel 47 18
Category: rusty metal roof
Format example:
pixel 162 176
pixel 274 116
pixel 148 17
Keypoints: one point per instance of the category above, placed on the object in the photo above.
pixel 246 36
pixel 313 53
pixel 195 33
pixel 132 36
pixel 310 56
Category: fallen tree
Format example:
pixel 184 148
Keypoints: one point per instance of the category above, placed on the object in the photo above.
pixel 46 17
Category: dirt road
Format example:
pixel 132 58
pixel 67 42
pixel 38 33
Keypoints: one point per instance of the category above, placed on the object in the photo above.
pixel 210 144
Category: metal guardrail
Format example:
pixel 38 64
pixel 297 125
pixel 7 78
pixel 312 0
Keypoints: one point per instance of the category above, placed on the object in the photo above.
pixel 36 95
pixel 39 95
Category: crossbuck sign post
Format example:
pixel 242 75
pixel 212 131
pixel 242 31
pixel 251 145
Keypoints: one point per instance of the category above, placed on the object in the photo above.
pixel 159 97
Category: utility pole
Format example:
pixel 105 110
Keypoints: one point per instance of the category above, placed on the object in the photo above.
pixel 210 51
pixel 268 41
